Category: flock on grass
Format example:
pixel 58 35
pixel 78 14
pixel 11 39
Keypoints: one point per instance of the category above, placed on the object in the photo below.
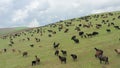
pixel 65 28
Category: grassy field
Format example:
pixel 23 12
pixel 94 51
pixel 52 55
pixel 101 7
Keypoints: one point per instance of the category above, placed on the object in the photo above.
pixel 10 30
pixel 107 41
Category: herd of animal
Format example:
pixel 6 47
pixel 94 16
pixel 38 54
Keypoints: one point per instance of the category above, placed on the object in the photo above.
pixel 61 26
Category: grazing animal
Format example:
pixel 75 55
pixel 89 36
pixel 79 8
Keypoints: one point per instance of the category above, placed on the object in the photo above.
pixel 74 56
pixel 66 30
pixel 95 33
pixel 31 45
pixel 49 35
pixel 81 33
pixel 98 52
pixel 57 52
pixel 62 59
pixel 56 45
pixel 5 50
pixel 37 60
pixel 108 30
pixel 64 52
pixel 10 44
pixel 13 50
pixel 25 53
pixel 73 37
pixel 76 40
pixel 117 51
pixel 33 62
pixel 103 58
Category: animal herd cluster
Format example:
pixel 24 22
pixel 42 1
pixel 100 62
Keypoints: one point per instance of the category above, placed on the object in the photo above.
pixel 64 52
pixel 63 26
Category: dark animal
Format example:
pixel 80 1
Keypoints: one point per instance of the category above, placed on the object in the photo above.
pixel 62 59
pixel 13 50
pixel 117 51
pixel 98 52
pixel 25 53
pixel 66 30
pixel 57 52
pixel 76 40
pixel 5 50
pixel 56 45
pixel 81 33
pixel 34 62
pixel 103 58
pixel 95 33
pixel 37 60
pixel 64 52
pixel 74 57
pixel 73 37
pixel 108 30
pixel 31 45
pixel 10 44
pixel 49 35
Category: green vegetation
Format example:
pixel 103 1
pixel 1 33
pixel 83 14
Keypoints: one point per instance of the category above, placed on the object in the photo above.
pixel 10 30
pixel 107 41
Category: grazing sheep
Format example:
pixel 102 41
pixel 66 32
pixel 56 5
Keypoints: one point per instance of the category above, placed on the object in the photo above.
pixel 57 52
pixel 66 30
pixel 64 52
pixel 56 45
pixel 10 45
pixel 33 62
pixel 49 35
pixel 76 40
pixel 81 33
pixel 31 45
pixel 74 57
pixel 62 59
pixel 108 30
pixel 25 53
pixel 98 52
pixel 103 58
pixel 37 60
pixel 5 50
pixel 73 37
pixel 117 51
pixel 13 50
pixel 95 33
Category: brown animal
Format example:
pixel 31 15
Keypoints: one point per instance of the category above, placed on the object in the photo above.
pixel 25 53
pixel 37 60
pixel 98 52
pixel 13 50
pixel 117 51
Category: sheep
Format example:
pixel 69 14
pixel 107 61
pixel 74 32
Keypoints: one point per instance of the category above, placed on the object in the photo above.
pixel 103 58
pixel 56 45
pixel 25 53
pixel 37 59
pixel 74 56
pixel 62 59
pixel 98 52
pixel 57 52
pixel 117 51
pixel 13 50
pixel 64 52
pixel 34 62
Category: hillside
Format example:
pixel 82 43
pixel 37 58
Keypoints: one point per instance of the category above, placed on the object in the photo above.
pixel 100 31
pixel 10 30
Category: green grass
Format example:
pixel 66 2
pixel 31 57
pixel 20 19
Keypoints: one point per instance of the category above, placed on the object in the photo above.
pixel 84 50
pixel 10 30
